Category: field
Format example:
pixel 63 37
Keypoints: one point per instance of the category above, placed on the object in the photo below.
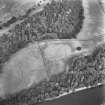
pixel 58 21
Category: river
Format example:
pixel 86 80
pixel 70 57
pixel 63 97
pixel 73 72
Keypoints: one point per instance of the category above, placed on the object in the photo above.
pixel 92 96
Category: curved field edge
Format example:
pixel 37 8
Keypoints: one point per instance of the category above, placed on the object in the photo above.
pixel 66 82
pixel 77 78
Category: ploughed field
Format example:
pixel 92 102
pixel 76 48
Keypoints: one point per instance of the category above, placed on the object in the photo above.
pixel 42 58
